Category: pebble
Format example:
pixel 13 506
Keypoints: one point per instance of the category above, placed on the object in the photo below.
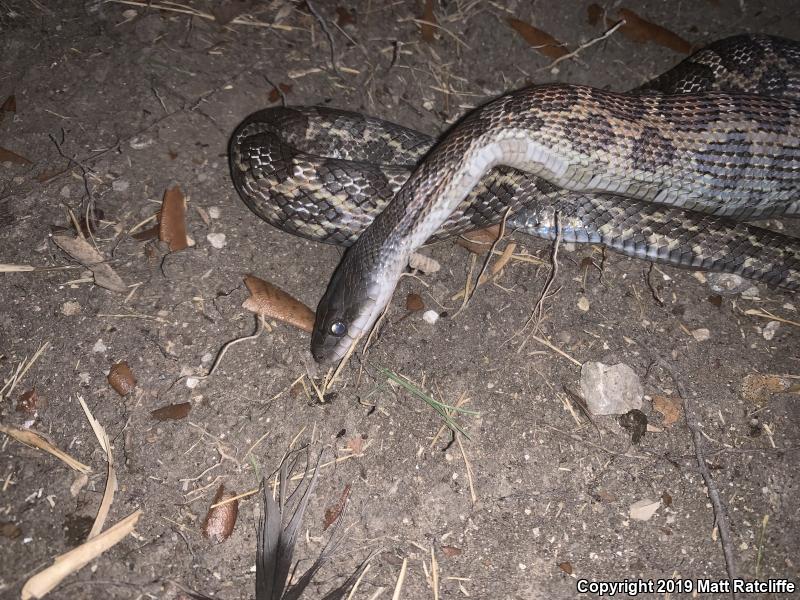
pixel 430 316
pixel 66 191
pixel 770 329
pixel 610 389
pixel 701 335
pixel 140 142
pixel 583 303
pixel 99 346
pixel 727 284
pixel 214 212
pixel 217 240
pixel 120 185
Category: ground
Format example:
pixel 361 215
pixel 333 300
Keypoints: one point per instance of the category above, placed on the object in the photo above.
pixel 115 103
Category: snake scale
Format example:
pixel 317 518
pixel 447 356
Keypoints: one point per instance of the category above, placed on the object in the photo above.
pixel 665 172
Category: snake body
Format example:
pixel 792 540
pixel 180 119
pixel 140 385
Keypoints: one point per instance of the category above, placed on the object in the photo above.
pixel 639 172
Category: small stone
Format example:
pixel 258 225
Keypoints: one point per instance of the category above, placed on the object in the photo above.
pixel 99 346
pixel 583 303
pixel 141 142
pixel 430 316
pixel 770 330
pixel 120 185
pixel 701 335
pixel 192 382
pixel 728 284
pixel 643 510
pixel 129 14
pixel 214 212
pixel 751 292
pixel 217 240
pixel 66 191
pixel 610 389
pixel 70 308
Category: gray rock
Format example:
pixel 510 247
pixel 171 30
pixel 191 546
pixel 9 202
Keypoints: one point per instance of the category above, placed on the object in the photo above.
pixel 610 389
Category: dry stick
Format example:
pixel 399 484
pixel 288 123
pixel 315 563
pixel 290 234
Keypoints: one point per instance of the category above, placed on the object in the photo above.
pixel 584 46
pixel 328 34
pixel 537 313
pixel 720 511
pixel 260 326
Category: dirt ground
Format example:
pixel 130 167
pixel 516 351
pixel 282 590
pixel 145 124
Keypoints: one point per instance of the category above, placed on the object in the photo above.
pixel 116 103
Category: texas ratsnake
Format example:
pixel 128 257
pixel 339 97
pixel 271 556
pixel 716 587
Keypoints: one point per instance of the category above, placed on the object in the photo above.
pixel 657 173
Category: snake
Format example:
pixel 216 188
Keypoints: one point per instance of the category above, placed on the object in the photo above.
pixel 668 172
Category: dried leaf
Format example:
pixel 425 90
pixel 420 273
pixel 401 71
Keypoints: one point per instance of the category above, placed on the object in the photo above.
pixel 594 12
pixel 670 407
pixel 147 234
pixel 13 157
pixel 641 30
pixel 10 105
pixel 33 439
pixel 121 378
pixel 89 257
pixel 539 40
pixel 429 20
pixel 275 94
pixel 344 17
pixel 757 388
pixel 566 567
pixel 414 303
pixel 356 444
pixel 9 530
pixel 29 402
pixel 220 520
pixel 479 241
pixel 666 498
pixel 172 225
pixel 643 510
pixel 172 412
pixel 332 513
pixel 271 301
pixel 451 551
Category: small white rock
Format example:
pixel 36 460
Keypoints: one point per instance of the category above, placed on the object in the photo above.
pixel 217 240
pixel 129 14
pixel 701 335
pixel 120 185
pixel 191 382
pixel 140 142
pixel 770 330
pixel 430 316
pixel 99 346
pixel 610 389
pixel 66 191
pixel 214 212
pixel 643 510
pixel 583 303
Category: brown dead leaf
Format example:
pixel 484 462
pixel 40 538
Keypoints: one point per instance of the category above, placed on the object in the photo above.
pixel 334 512
pixel 9 530
pixel 356 444
pixel 13 157
pixel 121 378
pixel 451 551
pixel 29 403
pixel 220 520
pixel 671 408
pixel 275 94
pixel 641 30
pixel 10 105
pixel 147 234
pixel 172 412
pixel 594 13
pixel 757 387
pixel 479 241
pixel 566 567
pixel 89 257
pixel 539 40
pixel 172 225
pixel 666 498
pixel 271 301
pixel 427 27
pixel 344 17
pixel 414 303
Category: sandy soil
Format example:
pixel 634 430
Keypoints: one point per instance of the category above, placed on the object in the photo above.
pixel 116 103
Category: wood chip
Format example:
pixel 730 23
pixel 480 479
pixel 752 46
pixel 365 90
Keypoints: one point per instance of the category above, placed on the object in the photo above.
pixel 121 378
pixel 172 224
pixel 643 510
pixel 271 301
pixel 35 440
pixel 566 567
pixel 220 520
pixel 172 412
pixel 539 40
pixel 641 30
pixel 89 257
pixel 451 551
pixel 414 303
pixel 275 93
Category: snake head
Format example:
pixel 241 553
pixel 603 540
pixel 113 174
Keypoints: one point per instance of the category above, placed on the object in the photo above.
pixel 355 298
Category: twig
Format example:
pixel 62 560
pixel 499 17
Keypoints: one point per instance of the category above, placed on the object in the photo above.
pixel 584 46
pixel 720 511
pixel 328 34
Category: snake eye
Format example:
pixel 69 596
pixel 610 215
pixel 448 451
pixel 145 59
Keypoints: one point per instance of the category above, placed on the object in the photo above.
pixel 338 328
